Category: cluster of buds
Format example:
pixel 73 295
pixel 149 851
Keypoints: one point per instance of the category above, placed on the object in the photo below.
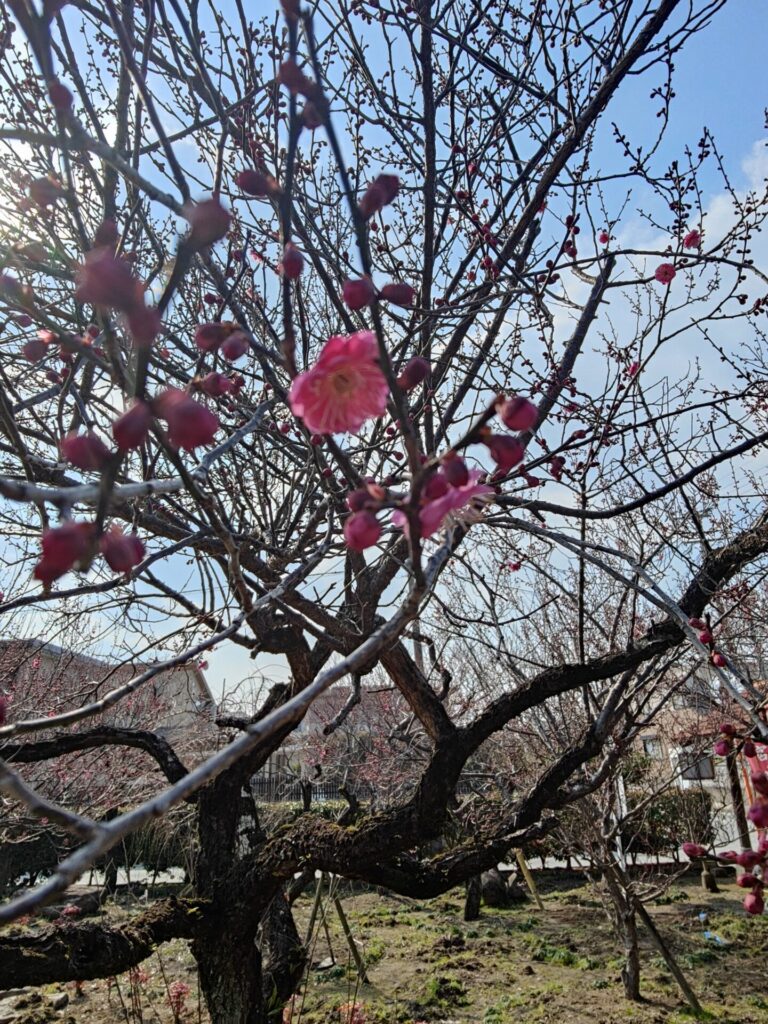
pixel 380 193
pixel 451 489
pixel 358 293
pixel 754 863
pixel 73 545
pixel 706 637
pixel 107 281
pixel 731 742
pixel 362 529
pixel 225 337
pixel 518 414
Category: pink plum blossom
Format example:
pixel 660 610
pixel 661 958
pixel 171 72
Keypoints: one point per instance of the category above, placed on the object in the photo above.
pixel 457 502
pixel 692 240
pixel 664 273
pixel 343 389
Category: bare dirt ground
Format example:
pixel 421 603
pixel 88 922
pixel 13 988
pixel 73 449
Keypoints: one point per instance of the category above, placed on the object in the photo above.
pixel 425 964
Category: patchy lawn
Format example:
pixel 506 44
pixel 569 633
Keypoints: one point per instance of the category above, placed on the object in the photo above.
pixel 519 965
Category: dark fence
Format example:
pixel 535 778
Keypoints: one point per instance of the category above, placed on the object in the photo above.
pixel 276 788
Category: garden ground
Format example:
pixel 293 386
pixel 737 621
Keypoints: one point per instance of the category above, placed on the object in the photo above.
pixel 425 963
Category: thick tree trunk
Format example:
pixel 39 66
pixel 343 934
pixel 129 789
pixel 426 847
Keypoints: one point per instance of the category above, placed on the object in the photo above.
pixel 630 972
pixel 625 925
pixel 230 977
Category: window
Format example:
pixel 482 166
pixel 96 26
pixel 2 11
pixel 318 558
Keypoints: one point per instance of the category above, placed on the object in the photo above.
pixel 695 693
pixel 696 768
pixel 652 747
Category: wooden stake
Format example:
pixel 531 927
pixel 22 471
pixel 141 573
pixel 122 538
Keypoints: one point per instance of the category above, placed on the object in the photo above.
pixel 359 963
pixel 529 881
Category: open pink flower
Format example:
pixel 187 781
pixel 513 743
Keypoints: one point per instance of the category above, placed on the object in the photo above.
pixel 664 273
pixel 345 387
pixel 692 240
pixel 458 503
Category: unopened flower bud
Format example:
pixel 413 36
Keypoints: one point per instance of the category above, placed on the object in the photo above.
pixel 359 293
pixel 122 551
pixel 398 294
pixel 415 371
pixel 208 220
pixel 235 346
pixel 292 262
pixel 85 451
pixel 455 471
pixel 130 430
pixel 517 413
pixel 361 530
pixel 379 194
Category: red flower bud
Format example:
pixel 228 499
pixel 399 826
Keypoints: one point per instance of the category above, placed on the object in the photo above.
pixel 760 782
pixel 122 551
pixel 455 471
pixel 758 814
pixel 144 324
pixel 705 636
pixel 293 78
pixel 415 371
pixel 106 280
pixel 748 859
pixel 722 748
pixel 189 423
pixel 753 903
pixel 604 238
pixel 209 221
pixel 235 346
pixel 34 350
pixel 727 729
pixel 694 850
pixel 208 337
pixel 216 384
pixel 556 466
pixel 293 262
pixel 399 294
pixel 60 96
pixel 359 293
pixel 86 451
pixel 505 451
pixel 130 430
pixel 718 660
pixel 254 183
pixel 379 194
pixel 730 856
pixel 697 624
pixel 64 547
pixel 311 117
pixel 358 500
pixel 44 191
pixel 749 749
pixel 748 881
pixel 518 413
pixel 361 530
